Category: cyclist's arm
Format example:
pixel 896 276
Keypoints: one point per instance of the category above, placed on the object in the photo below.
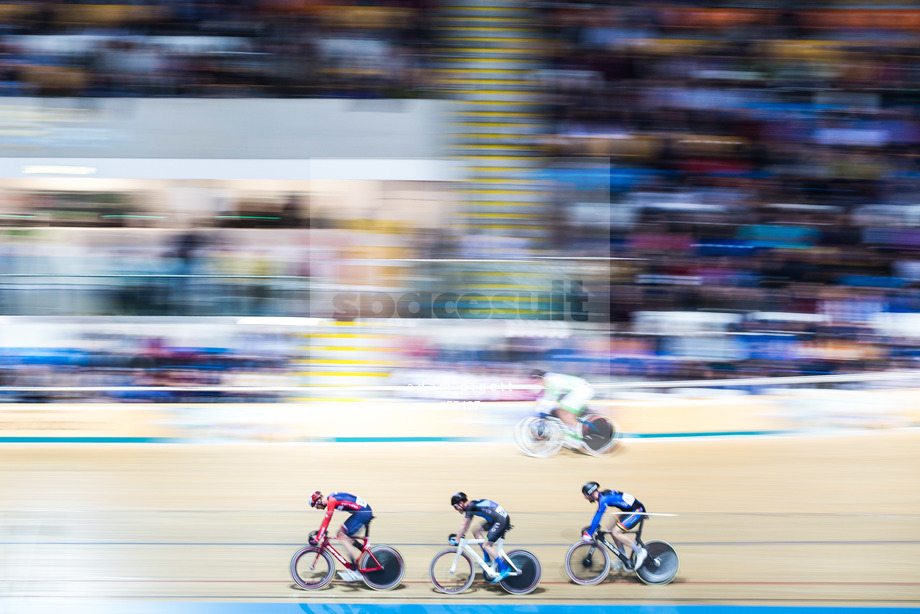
pixel 596 521
pixel 546 403
pixel 548 398
pixel 330 510
pixel 464 526
pixel 554 389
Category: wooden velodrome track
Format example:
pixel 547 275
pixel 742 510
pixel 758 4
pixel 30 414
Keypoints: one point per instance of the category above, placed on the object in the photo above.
pixel 808 520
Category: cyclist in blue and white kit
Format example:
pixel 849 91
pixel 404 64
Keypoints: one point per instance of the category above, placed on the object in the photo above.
pixel 621 523
pixel 497 522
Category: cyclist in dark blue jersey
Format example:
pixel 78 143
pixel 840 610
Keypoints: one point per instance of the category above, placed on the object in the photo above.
pixel 497 522
pixel 620 523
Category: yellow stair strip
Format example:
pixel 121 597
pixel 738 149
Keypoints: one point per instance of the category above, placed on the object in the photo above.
pixel 511 216
pixel 485 82
pixel 490 135
pixel 494 125
pixel 348 348
pixel 490 157
pixel 502 203
pixel 489 19
pixel 503 180
pixel 497 113
pixel 508 191
pixel 492 39
pixel 490 60
pixel 486 29
pixel 340 374
pixel 486 8
pixel 487 146
pixel 495 169
pixel 502 227
pixel 346 361
pixel 493 71
pixel 491 93
pixel 517 103
pixel 346 336
pixel 492 52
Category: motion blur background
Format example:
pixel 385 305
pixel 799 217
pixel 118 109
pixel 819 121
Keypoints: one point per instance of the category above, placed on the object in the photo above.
pixel 330 194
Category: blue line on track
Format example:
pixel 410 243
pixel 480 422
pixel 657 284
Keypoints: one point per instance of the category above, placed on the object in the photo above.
pixel 84 440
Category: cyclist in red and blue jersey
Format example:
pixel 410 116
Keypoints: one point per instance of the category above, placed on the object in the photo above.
pixel 361 514
pixel 497 522
pixel 621 523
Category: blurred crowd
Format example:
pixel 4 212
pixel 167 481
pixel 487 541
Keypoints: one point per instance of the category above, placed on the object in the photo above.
pixel 198 48
pixel 152 363
pixel 748 159
pixel 761 159
pixel 749 349
pixel 133 272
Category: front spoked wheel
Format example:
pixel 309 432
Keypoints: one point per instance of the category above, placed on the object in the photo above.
pixel 538 437
pixel 531 572
pixel 600 435
pixel 661 564
pixel 312 568
pixel 441 576
pixel 587 563
pixel 391 562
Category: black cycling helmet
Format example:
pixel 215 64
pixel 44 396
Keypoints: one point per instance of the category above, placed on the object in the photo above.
pixel 459 497
pixel 589 488
pixel 537 374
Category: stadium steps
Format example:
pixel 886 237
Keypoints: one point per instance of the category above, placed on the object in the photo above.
pixel 337 356
pixel 490 50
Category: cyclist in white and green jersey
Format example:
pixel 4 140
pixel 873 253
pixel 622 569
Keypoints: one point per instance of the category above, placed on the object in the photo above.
pixel 566 397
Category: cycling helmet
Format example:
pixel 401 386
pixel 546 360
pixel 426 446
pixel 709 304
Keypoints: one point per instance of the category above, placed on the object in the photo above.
pixel 537 374
pixel 589 488
pixel 315 497
pixel 459 497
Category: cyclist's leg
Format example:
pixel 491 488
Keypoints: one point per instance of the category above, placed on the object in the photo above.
pixel 576 401
pixel 570 418
pixel 573 405
pixel 496 532
pixel 485 531
pixel 566 415
pixel 623 523
pixel 480 533
pixel 349 529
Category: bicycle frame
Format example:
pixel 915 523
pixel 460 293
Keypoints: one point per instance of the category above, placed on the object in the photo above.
pixel 327 545
pixel 554 418
pixel 602 539
pixel 466 545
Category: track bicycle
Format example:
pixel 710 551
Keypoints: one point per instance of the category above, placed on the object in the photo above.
pixel 544 435
pixel 589 563
pixel 453 570
pixel 381 567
